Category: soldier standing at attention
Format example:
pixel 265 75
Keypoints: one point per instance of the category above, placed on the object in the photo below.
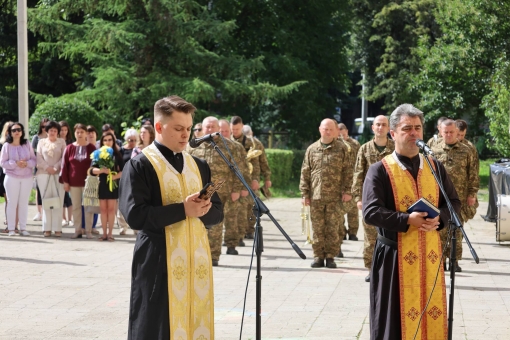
pixel 229 192
pixel 350 207
pixel 240 207
pixel 458 160
pixel 325 185
pixel 265 171
pixel 368 154
pixel 236 125
pixel 468 211
pixel 437 138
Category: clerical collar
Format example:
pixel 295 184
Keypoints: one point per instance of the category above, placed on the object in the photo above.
pixel 174 158
pixel 399 159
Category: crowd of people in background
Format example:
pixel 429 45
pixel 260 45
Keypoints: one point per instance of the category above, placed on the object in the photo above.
pixel 56 165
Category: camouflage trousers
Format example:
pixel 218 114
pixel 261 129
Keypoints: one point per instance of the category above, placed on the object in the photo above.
pixel 351 209
pixel 216 232
pixel 443 235
pixel 325 217
pixel 242 221
pixel 369 244
pixel 231 236
pixel 251 219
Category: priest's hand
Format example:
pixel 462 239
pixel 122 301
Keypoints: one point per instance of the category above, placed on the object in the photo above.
pixel 424 224
pixel 196 207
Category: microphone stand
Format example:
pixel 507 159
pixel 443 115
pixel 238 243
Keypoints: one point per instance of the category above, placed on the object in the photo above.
pixel 453 225
pixel 259 209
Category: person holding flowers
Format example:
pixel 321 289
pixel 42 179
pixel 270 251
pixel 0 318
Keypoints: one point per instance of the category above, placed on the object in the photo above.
pixel 107 163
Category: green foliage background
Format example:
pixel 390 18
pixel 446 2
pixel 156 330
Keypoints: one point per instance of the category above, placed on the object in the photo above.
pixel 71 110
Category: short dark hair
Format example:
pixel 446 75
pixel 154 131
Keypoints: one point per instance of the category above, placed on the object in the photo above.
pixel 342 126
pixel 236 120
pixel 91 128
pixel 107 127
pixel 80 126
pixel 461 124
pixel 166 106
pixel 52 125
pixel 9 138
pixel 42 125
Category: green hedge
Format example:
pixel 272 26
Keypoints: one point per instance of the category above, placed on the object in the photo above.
pixel 71 110
pixel 297 162
pixel 280 162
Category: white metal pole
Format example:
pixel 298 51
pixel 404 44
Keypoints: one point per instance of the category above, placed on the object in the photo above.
pixel 22 64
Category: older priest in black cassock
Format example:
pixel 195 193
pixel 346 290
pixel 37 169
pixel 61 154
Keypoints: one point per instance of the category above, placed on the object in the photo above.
pixel 171 285
pixel 408 251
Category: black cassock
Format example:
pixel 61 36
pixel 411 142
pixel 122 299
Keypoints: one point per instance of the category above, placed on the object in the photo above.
pixel 141 205
pixel 379 210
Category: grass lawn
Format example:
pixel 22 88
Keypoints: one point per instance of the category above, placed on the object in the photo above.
pixel 483 193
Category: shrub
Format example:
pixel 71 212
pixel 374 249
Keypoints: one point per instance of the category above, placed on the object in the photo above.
pixel 280 162
pixel 297 162
pixel 71 110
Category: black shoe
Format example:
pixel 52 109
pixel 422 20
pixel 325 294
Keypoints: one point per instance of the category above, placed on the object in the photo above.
pixel 317 263
pixel 345 237
pixel 223 244
pixel 458 269
pixel 353 237
pixel 249 236
pixel 340 254
pixel 215 263
pixel 232 251
pixel 367 278
pixel 330 263
pixel 241 243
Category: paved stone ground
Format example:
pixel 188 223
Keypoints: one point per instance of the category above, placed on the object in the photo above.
pixel 79 289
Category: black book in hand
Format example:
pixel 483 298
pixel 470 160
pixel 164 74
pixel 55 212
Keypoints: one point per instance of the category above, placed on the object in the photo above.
pixel 422 205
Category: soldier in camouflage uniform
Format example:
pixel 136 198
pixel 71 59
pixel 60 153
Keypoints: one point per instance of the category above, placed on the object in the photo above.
pixel 460 165
pixel 236 125
pixel 350 207
pixel 368 154
pixel 229 192
pixel 468 211
pixel 242 222
pixel 324 185
pixel 265 171
pixel 437 138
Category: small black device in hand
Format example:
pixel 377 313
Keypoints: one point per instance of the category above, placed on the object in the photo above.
pixel 209 189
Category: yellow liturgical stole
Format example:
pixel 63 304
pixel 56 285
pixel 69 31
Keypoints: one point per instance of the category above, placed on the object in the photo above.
pixel 189 265
pixel 419 255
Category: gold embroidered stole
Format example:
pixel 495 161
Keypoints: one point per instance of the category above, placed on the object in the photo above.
pixel 188 257
pixel 418 256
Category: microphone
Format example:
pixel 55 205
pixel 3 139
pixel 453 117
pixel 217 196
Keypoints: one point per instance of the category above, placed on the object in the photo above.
pixel 424 147
pixel 195 142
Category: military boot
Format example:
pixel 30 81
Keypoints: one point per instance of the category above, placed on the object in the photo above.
pixel 330 263
pixel 232 251
pixel 317 263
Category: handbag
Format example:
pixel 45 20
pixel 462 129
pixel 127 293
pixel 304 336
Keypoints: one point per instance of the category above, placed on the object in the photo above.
pixel 54 202
pixel 91 191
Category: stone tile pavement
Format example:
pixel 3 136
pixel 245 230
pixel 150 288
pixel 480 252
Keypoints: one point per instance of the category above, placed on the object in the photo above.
pixel 79 289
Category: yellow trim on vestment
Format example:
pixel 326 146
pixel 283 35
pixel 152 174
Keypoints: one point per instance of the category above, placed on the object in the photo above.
pixel 189 264
pixel 419 255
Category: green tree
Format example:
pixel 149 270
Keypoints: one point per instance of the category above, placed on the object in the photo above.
pixel 134 52
pixel 298 40
pixel 385 37
pixel 463 68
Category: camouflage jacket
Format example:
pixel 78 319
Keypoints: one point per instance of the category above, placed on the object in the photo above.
pixel 434 141
pixel 474 152
pixel 325 173
pixel 242 163
pixel 461 166
pixel 219 169
pixel 367 155
pixel 247 143
pixel 265 171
